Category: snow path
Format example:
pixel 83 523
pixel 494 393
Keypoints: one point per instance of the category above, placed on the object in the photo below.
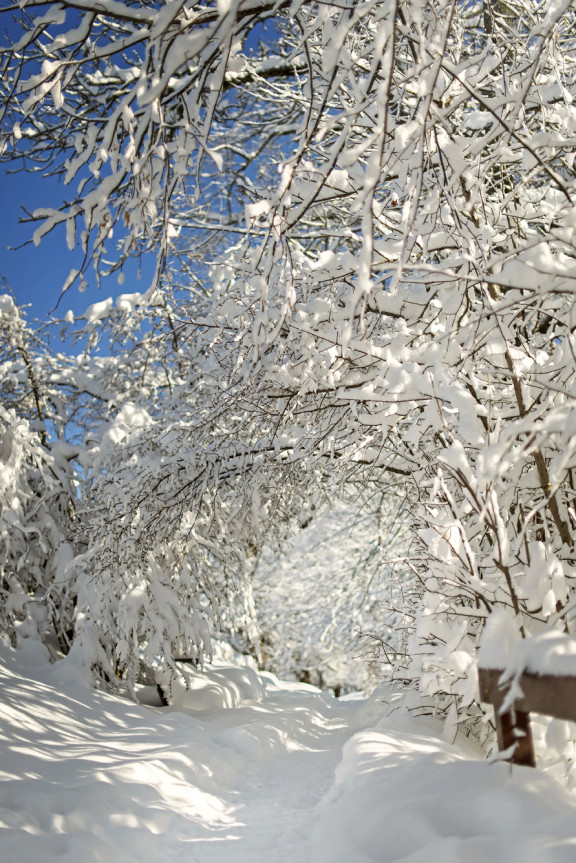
pixel 248 769
pixel 293 742
pixel 276 795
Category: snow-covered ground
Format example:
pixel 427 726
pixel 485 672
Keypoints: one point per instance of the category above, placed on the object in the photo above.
pixel 249 769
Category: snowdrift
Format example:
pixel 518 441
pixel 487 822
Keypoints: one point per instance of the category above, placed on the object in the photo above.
pixel 247 768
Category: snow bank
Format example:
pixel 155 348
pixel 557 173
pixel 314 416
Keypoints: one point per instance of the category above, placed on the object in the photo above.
pixel 400 794
pixel 87 777
pixel 216 687
pixel 250 769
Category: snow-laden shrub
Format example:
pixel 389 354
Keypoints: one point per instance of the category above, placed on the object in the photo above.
pixel 36 493
pixel 37 596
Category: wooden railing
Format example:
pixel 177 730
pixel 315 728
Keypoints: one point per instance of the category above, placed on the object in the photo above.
pixel 549 694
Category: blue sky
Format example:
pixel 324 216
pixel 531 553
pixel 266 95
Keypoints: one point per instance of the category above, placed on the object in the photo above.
pixel 36 274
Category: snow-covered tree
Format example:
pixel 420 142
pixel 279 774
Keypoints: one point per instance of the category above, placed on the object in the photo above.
pixel 60 414
pixel 393 184
pixel 37 496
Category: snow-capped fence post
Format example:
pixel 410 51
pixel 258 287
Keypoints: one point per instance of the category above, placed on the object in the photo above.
pixel 512 726
pixel 550 694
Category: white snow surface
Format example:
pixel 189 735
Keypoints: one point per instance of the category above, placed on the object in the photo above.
pixel 246 769
pixel 549 651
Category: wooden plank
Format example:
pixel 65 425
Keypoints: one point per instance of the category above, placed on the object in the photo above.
pixel 548 694
pixel 513 727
